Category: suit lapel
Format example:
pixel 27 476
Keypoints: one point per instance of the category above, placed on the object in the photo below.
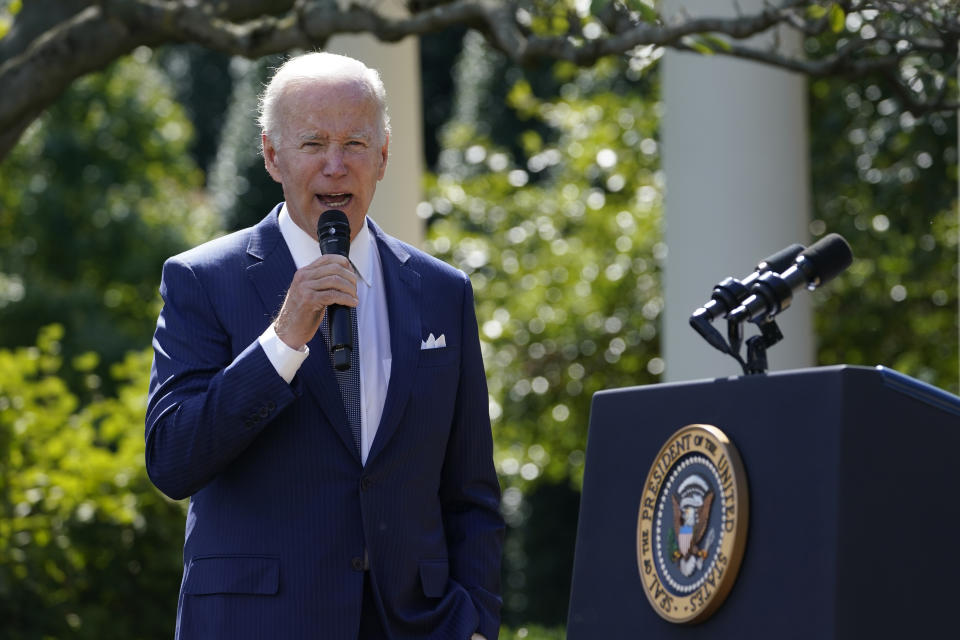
pixel 402 290
pixel 272 266
pixel 271 272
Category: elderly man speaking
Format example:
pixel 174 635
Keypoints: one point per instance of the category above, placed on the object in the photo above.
pixel 325 503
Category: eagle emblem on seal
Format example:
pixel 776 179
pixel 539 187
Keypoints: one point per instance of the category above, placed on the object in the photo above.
pixel 691 520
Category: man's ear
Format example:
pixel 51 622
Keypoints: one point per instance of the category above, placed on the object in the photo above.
pixel 384 154
pixel 270 157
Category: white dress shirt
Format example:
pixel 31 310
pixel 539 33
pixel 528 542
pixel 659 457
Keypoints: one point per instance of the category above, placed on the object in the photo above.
pixel 372 324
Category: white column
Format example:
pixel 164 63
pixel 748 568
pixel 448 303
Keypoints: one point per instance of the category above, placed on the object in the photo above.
pixel 395 203
pixel 735 156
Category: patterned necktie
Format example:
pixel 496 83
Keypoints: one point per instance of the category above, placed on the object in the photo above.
pixel 348 380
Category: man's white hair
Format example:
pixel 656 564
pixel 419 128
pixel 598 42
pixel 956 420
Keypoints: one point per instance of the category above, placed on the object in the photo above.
pixel 313 66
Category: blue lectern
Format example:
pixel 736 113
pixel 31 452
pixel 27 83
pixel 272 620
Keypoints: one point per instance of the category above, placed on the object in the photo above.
pixel 854 512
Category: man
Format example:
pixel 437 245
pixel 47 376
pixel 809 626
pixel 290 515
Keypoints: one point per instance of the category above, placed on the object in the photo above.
pixel 309 519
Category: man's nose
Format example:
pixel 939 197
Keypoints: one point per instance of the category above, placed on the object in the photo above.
pixel 333 164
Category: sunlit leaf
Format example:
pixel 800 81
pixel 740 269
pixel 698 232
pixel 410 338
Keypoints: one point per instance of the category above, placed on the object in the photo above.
pixel 837 18
pixel 816 11
pixel 647 11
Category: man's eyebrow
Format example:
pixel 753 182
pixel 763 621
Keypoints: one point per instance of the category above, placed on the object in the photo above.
pixel 318 137
pixel 362 134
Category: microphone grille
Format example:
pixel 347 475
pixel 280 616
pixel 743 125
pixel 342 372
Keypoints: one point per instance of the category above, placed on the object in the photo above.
pixel 333 222
pixel 334 216
pixel 829 256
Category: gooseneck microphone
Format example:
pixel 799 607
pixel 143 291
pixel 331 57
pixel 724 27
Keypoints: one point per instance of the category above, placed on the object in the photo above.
pixel 333 231
pixel 815 266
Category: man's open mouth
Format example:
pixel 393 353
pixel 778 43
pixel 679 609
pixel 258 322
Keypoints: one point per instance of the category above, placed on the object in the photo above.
pixel 334 200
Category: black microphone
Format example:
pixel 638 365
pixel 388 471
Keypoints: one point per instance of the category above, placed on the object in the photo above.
pixel 730 292
pixel 333 231
pixel 814 267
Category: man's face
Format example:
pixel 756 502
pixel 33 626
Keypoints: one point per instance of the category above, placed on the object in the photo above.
pixel 330 151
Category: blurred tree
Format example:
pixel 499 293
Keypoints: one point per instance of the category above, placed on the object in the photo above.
pixel 203 86
pixel 886 181
pixel 61 40
pixel 239 187
pixel 100 191
pixel 561 238
pixel 437 87
pixel 88 548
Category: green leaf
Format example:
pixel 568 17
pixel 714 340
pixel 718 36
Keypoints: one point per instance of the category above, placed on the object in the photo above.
pixel 646 11
pixel 699 44
pixel 86 362
pixel 816 11
pixel 837 18
pixel 716 43
pixel 596 6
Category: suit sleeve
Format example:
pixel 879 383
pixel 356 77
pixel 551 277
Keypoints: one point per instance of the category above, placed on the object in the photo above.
pixel 470 492
pixel 205 406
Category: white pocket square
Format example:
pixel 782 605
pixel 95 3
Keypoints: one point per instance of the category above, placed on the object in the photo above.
pixel 434 343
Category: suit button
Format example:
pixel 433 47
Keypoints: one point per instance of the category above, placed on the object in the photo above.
pixel 357 564
pixel 365 483
pixel 264 412
pixel 271 405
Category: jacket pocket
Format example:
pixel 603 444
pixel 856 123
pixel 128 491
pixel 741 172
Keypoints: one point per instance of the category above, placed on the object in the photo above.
pixel 433 577
pixel 439 357
pixel 258 575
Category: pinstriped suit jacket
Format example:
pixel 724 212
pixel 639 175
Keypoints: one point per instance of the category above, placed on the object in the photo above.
pixel 282 515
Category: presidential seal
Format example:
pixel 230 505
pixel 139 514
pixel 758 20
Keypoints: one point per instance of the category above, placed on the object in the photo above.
pixel 692 524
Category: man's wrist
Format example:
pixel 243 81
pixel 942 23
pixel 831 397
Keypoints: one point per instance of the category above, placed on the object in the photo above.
pixel 285 359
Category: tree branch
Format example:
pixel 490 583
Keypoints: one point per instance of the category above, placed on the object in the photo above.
pixel 39 60
pixel 35 78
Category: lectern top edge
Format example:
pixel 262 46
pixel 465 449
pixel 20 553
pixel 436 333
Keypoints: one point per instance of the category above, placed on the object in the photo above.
pixel 920 390
pixel 895 380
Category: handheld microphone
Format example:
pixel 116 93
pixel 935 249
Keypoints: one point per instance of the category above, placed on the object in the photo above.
pixel 730 292
pixel 333 231
pixel 815 266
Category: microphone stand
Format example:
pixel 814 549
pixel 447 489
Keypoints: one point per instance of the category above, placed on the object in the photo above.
pixel 756 362
pixel 757 346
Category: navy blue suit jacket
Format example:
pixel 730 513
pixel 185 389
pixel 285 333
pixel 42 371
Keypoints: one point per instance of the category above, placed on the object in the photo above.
pixel 283 518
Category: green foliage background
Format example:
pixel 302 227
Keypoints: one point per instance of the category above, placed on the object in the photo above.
pixel 545 188
pixel 101 189
pixel 87 545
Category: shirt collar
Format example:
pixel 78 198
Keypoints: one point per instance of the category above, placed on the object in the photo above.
pixel 305 249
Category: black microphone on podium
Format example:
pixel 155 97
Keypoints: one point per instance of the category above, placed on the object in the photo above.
pixel 815 266
pixel 333 231
pixel 730 292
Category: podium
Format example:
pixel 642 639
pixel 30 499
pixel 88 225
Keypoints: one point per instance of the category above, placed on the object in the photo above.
pixel 853 475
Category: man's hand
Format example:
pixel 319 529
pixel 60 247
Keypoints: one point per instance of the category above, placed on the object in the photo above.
pixel 328 280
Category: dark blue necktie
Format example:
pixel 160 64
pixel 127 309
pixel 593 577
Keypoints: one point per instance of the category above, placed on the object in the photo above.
pixel 348 380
